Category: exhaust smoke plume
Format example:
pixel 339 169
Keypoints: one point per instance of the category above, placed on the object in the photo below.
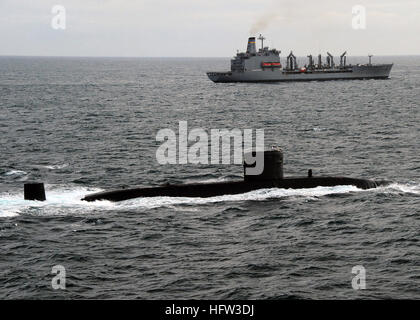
pixel 263 22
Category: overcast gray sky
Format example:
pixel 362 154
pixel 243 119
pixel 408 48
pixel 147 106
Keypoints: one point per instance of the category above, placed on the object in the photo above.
pixel 206 28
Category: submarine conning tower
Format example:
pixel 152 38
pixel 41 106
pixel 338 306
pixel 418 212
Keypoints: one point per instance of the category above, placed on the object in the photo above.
pixel 251 48
pixel 273 165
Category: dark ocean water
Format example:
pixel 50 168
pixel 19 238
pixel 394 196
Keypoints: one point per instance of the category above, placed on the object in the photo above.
pixel 88 124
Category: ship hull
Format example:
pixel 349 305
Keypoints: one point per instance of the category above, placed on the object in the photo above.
pixel 380 71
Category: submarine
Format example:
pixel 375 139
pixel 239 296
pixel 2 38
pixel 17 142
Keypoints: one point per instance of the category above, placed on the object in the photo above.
pixel 270 177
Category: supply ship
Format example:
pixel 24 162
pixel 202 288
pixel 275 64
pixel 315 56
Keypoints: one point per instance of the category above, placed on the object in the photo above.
pixel 264 65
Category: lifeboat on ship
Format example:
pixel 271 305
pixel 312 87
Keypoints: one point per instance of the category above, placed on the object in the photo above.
pixel 271 64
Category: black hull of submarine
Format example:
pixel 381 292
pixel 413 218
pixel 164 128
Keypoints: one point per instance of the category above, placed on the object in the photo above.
pixel 270 177
pixel 204 190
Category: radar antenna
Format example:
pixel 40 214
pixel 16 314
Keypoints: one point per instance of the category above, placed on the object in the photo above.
pixel 262 41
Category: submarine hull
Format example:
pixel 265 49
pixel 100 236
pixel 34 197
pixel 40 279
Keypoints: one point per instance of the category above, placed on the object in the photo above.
pixel 204 190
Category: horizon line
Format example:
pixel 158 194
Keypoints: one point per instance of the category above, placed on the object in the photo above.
pixel 173 57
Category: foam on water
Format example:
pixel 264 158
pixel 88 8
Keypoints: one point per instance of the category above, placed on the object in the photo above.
pixel 257 195
pixel 56 166
pixel 15 173
pixel 59 199
pixel 68 199
pixel 400 188
pixel 265 194
pixel 65 200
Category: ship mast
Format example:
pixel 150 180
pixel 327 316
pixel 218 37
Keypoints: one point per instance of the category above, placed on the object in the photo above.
pixel 262 41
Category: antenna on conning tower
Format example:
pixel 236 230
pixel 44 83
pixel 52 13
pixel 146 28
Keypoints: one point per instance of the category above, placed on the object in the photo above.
pixel 262 41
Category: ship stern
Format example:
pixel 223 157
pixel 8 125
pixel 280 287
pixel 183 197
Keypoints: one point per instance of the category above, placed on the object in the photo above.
pixel 220 76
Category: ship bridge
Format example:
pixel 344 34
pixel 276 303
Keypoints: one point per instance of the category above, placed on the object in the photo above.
pixel 253 59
